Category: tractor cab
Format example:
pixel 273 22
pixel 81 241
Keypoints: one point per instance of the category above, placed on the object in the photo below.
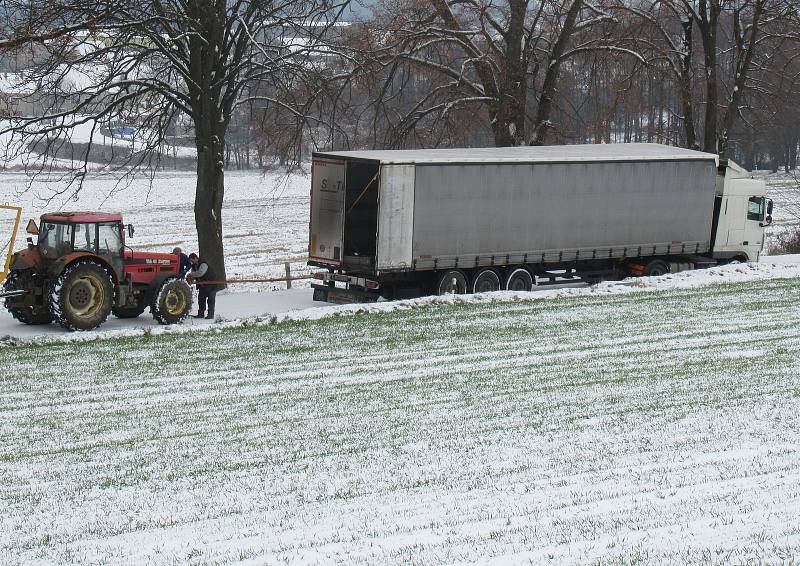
pixel 62 234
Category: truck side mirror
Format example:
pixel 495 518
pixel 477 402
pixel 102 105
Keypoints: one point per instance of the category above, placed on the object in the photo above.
pixel 769 208
pixel 130 230
pixel 32 228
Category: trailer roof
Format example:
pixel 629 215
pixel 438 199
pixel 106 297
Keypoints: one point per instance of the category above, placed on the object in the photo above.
pixel 528 154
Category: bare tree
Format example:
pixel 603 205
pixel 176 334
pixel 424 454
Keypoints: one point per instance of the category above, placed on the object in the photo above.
pixel 501 58
pixel 149 63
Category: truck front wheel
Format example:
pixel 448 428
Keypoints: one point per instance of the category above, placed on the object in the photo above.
pixel 81 297
pixel 452 282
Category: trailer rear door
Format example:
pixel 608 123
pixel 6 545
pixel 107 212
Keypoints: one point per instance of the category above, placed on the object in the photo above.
pixel 327 211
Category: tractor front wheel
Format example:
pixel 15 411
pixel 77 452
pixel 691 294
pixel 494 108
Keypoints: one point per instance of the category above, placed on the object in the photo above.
pixel 172 302
pixel 18 306
pixel 81 297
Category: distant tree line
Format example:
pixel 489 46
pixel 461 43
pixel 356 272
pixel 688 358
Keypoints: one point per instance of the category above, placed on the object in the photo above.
pixel 722 76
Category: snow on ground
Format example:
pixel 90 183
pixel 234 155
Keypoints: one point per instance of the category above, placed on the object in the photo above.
pixel 784 189
pixel 616 427
pixel 652 420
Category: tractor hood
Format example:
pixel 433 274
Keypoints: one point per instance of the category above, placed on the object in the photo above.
pixel 149 258
pixel 142 268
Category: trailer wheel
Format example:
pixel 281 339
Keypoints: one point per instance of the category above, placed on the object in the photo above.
pixel 452 282
pixel 172 302
pixel 26 314
pixel 486 281
pixel 656 268
pixel 81 297
pixel 519 279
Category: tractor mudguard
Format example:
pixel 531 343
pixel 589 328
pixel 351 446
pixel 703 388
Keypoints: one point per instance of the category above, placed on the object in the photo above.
pixel 61 263
pixel 27 259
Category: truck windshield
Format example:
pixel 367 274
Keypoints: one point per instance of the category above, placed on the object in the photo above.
pixel 55 239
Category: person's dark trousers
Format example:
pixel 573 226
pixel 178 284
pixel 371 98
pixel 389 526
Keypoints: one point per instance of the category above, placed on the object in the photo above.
pixel 204 296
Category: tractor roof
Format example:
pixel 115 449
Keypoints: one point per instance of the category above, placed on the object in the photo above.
pixel 81 217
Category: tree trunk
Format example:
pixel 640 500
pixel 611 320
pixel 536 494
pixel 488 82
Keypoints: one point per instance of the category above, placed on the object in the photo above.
pixel 709 15
pixel 685 85
pixel 744 60
pixel 208 202
pixel 542 124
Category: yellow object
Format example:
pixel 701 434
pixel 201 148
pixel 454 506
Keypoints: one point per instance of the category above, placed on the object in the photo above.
pixel 10 250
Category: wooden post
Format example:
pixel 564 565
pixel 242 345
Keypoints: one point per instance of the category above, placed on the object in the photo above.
pixel 288 276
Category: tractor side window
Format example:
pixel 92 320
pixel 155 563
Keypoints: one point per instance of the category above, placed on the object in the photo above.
pixel 755 208
pixel 86 237
pixel 55 240
pixel 109 239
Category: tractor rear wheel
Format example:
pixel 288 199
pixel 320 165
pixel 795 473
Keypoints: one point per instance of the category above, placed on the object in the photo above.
pixel 172 301
pixel 26 314
pixel 81 297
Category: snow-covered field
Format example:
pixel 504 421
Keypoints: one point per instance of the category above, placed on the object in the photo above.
pixel 784 189
pixel 651 421
pixel 616 427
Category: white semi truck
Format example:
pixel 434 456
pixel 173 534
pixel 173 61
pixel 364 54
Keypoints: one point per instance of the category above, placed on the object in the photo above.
pixel 403 223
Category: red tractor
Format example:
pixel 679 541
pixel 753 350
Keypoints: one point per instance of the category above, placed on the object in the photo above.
pixel 80 270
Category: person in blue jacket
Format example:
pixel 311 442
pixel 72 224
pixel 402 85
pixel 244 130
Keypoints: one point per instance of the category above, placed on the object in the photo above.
pixel 186 265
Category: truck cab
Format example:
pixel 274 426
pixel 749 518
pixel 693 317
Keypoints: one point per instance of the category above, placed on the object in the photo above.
pixel 742 211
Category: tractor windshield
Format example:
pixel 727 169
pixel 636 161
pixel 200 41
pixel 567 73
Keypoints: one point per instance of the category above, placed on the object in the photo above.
pixel 86 237
pixel 109 239
pixel 55 240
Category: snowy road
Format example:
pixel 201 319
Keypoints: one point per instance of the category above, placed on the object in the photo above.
pixel 230 306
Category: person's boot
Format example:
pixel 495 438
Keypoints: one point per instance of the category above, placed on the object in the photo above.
pixel 199 315
pixel 210 316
